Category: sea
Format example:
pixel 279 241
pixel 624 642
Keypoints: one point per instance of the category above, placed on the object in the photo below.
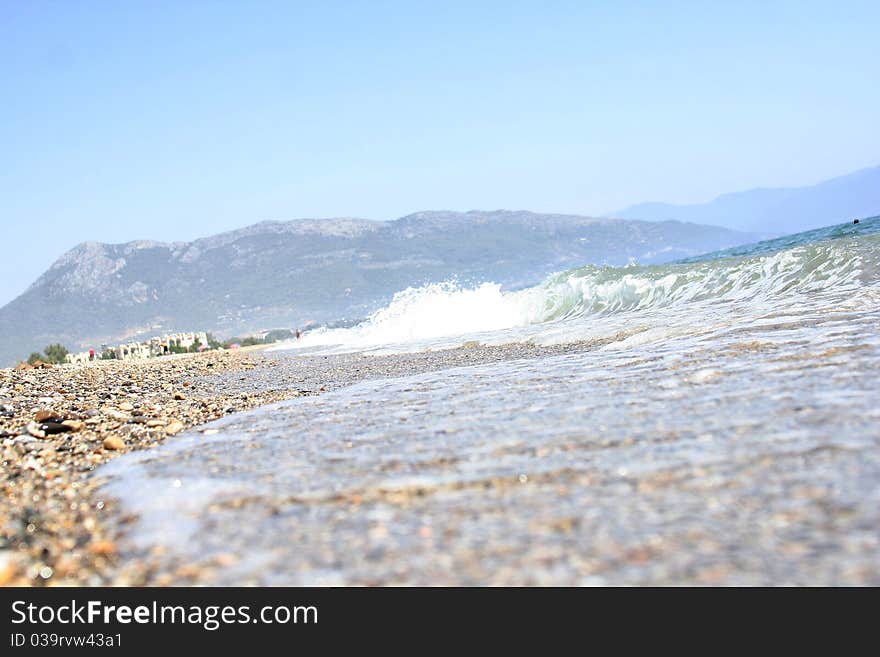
pixel 721 425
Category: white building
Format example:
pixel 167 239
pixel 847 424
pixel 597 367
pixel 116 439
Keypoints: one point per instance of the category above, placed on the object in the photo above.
pixel 151 348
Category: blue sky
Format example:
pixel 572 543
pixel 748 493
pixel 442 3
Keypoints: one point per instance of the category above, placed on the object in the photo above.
pixel 176 120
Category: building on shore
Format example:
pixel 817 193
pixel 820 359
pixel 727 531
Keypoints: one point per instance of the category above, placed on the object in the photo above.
pixel 132 351
pixel 169 344
pixel 158 346
pixel 82 357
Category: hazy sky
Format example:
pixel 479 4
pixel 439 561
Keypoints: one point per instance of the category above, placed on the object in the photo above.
pixel 126 120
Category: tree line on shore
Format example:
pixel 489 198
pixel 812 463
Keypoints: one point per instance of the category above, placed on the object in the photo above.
pixel 54 354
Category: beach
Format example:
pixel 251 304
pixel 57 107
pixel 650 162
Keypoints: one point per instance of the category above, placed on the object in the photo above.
pixel 708 422
pixel 749 463
pixel 50 520
pixel 52 516
pixel 356 469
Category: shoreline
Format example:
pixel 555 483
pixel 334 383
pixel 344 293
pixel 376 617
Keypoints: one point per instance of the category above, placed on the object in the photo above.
pixel 737 461
pixel 58 425
pixel 54 527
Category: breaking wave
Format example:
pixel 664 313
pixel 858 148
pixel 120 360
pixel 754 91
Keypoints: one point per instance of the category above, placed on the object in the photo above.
pixel 441 310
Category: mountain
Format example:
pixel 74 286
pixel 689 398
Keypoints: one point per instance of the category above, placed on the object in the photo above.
pixel 284 274
pixel 778 211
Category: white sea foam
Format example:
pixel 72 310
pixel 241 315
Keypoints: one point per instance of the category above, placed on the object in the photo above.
pixel 570 305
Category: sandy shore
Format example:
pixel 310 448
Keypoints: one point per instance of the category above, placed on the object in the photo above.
pixel 58 425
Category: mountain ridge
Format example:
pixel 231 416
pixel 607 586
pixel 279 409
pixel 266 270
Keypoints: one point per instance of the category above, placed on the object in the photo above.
pixel 777 210
pixel 286 273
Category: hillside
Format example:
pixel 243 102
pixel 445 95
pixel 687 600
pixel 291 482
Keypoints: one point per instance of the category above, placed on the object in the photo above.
pixel 277 274
pixel 778 211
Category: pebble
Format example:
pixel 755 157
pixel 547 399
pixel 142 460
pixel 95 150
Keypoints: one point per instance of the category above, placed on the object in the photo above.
pixel 54 427
pixel 102 548
pixel 36 430
pixel 113 442
pixel 8 569
pixel 116 415
pixel 174 427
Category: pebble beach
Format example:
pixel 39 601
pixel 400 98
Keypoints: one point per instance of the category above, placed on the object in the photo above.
pixel 59 424
pixel 726 438
pixel 738 461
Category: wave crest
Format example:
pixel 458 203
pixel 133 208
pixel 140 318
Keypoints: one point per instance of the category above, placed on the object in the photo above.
pixel 440 310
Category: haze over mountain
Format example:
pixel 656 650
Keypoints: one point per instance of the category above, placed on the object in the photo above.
pixel 285 274
pixel 779 211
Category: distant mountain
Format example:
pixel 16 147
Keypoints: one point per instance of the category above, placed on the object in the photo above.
pixel 283 274
pixel 778 211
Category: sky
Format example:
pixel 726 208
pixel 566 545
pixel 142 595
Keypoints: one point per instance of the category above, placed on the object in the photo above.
pixel 177 120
